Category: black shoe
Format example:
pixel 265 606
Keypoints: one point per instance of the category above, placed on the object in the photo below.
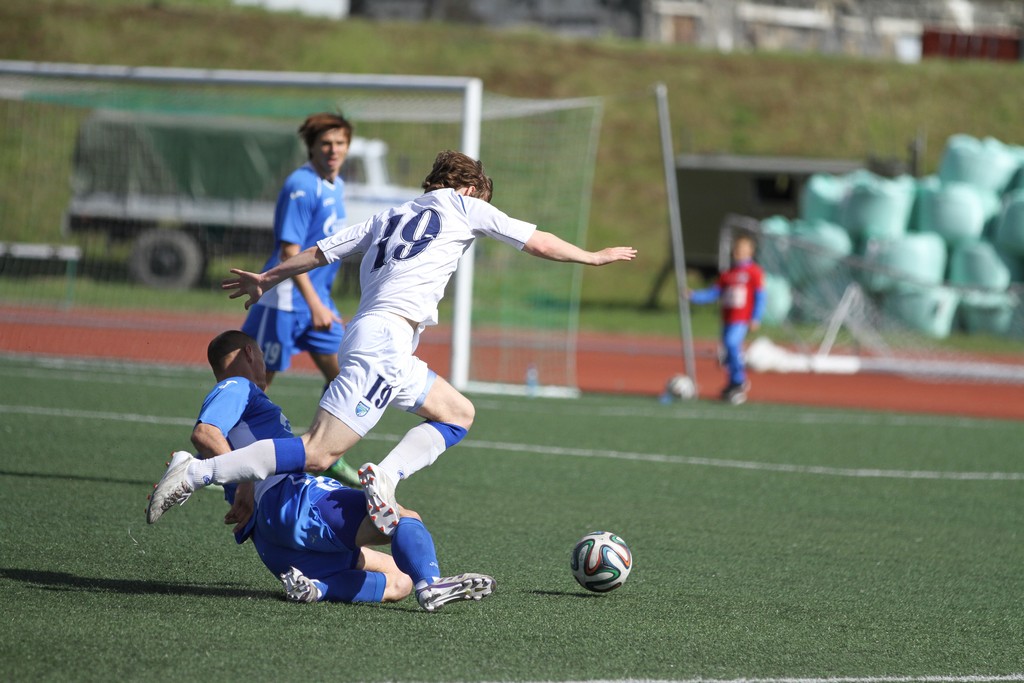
pixel 736 393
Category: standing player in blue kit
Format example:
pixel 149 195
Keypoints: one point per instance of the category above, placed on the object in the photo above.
pixel 299 314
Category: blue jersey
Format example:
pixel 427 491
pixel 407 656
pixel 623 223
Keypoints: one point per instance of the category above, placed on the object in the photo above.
pixel 308 209
pixel 244 415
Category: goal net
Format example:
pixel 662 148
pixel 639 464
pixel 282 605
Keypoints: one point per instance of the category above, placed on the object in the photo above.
pixel 830 311
pixel 126 194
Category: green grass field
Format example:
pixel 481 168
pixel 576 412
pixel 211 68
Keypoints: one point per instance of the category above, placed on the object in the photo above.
pixel 769 542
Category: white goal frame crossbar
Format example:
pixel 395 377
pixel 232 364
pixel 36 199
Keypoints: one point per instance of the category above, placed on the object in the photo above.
pixel 472 114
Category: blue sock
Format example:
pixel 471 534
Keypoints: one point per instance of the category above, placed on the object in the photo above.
pixel 290 456
pixel 412 546
pixel 452 433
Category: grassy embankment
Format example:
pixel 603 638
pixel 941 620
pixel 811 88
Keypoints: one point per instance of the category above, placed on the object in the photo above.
pixel 766 104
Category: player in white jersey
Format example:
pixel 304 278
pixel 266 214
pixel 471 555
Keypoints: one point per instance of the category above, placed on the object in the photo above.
pixel 409 254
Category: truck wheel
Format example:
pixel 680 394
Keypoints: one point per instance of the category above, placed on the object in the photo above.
pixel 166 259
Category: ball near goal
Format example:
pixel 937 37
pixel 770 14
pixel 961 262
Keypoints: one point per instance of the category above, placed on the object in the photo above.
pixel 681 387
pixel 601 561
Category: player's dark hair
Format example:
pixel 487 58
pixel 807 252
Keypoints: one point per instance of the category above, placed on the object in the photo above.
pixel 225 343
pixel 456 170
pixel 316 124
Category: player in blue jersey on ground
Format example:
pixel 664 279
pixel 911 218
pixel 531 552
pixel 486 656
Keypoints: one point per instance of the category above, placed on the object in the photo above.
pixel 312 532
pixel 409 254
pixel 299 314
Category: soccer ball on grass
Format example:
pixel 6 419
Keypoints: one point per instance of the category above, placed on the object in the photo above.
pixel 601 561
pixel 679 387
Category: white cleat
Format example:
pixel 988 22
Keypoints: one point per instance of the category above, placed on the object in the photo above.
pixel 736 394
pixel 380 498
pixel 298 587
pixel 452 588
pixel 174 488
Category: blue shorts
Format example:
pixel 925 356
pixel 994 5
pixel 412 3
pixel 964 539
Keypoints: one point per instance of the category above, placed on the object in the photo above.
pixel 310 523
pixel 282 334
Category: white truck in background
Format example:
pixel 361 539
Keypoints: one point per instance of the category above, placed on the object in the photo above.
pixel 181 190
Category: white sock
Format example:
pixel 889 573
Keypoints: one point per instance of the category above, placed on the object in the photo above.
pixel 419 448
pixel 253 462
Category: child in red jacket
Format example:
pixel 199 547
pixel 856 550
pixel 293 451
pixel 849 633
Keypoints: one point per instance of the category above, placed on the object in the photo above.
pixel 740 293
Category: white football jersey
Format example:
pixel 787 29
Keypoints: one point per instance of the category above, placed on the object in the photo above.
pixel 411 251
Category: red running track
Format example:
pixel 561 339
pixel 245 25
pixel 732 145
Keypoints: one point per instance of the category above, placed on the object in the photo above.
pixel 606 363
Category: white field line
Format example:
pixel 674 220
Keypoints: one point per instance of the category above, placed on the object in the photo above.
pixel 835 679
pixel 769 414
pixel 578 452
pixel 746 464
pixel 98 415
pixel 198 380
pixel 172 376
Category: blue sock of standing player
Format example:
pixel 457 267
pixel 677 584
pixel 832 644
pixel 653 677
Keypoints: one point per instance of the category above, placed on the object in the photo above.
pixel 412 546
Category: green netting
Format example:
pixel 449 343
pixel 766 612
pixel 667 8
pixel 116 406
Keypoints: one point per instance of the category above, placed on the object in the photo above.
pixel 831 243
pixel 988 312
pixel 100 160
pixel 779 299
pixel 131 154
pixel 1009 233
pixel 915 257
pixel 978 265
pixel 183 102
pixel 903 285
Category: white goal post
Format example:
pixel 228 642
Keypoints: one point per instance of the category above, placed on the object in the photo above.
pixel 415 116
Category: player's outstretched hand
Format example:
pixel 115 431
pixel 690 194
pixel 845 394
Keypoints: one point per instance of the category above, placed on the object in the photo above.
pixel 323 317
pixel 245 284
pixel 241 510
pixel 613 254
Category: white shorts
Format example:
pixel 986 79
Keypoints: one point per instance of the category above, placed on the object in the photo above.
pixel 377 369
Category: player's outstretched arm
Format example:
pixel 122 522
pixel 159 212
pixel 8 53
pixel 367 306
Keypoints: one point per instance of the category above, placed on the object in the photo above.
pixel 554 248
pixel 255 285
pixel 210 442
